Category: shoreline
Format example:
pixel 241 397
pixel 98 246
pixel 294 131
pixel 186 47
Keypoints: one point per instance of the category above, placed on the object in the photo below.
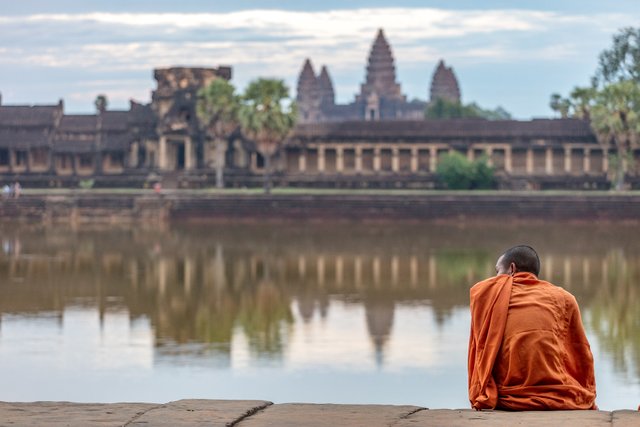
pixel 140 207
pixel 257 413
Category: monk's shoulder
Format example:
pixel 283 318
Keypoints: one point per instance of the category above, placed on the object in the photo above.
pixel 561 293
pixel 482 286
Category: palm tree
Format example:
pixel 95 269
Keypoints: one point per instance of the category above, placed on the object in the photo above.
pixel 217 109
pixel 101 102
pixel 267 115
pixel 615 118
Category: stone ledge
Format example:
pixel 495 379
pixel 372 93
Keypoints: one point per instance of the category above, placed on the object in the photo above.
pixel 257 413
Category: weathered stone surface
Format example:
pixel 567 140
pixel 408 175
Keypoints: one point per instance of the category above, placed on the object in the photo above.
pixel 69 414
pixel 468 417
pixel 625 418
pixel 261 414
pixel 211 413
pixel 311 415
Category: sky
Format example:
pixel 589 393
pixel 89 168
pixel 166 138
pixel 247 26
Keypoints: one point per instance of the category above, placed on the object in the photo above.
pixel 512 54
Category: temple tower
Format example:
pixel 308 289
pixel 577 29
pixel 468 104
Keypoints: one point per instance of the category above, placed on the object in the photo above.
pixel 309 94
pixel 381 73
pixel 325 86
pixel 444 84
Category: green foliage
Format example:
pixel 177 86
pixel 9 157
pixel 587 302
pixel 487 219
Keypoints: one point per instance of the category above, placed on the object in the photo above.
pixel 86 184
pixel 101 102
pixel 218 108
pixel 612 103
pixel 443 109
pixel 622 61
pixel 267 114
pixel 459 173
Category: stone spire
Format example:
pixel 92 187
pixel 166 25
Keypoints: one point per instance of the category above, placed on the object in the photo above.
pixel 381 72
pixel 308 96
pixel 327 95
pixel 444 84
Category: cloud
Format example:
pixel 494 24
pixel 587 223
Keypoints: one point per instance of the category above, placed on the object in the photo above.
pixel 276 42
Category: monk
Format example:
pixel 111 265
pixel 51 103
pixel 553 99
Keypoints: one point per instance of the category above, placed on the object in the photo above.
pixel 527 349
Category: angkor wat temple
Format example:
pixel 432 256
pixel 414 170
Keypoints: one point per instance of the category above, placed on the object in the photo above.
pixel 380 96
pixel 378 140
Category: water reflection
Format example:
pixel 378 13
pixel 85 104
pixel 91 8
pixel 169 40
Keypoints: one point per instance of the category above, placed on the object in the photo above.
pixel 202 287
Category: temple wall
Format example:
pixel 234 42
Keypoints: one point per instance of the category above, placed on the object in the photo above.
pixel 85 206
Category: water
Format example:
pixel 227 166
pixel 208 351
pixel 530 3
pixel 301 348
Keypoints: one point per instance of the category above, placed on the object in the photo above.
pixel 288 313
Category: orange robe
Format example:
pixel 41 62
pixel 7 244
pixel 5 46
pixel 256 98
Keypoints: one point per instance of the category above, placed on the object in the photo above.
pixel 528 349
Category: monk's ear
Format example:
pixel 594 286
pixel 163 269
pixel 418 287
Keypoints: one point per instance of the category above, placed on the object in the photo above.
pixel 512 269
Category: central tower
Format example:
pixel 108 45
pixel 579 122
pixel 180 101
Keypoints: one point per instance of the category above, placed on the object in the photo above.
pixel 381 72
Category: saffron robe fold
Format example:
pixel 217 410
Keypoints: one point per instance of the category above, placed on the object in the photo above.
pixel 527 347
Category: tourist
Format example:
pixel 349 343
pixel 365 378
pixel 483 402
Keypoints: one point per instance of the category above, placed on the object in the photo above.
pixel 17 189
pixel 6 191
pixel 527 349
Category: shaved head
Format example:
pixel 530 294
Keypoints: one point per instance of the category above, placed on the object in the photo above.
pixel 524 257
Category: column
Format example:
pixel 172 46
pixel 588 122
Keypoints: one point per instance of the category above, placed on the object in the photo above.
pixel 302 161
pixel 320 158
pixel 548 161
pixel 433 159
pixel 605 161
pixel 489 152
pixel 339 159
pixel 358 158
pixel 414 159
pixel 567 160
pixel 162 155
pixel 507 159
pixel 188 154
pixel 470 153
pixel 395 161
pixel 376 159
pixel 586 161
pixel 529 161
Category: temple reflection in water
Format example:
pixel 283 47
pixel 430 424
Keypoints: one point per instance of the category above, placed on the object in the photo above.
pixel 204 289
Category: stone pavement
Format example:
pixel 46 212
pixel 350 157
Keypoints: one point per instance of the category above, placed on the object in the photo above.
pixel 251 413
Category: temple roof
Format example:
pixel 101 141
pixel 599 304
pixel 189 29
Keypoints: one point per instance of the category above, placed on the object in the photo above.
pixel 326 86
pixel 447 129
pixel 444 84
pixel 381 71
pixel 22 115
pixel 78 123
pixel 114 120
pixel 23 138
pixel 307 81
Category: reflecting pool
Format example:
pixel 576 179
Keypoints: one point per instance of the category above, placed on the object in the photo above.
pixel 374 313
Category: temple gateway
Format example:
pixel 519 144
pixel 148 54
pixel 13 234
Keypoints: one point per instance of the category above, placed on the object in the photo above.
pixel 378 140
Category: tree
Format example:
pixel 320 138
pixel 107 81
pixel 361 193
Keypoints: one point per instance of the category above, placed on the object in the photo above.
pixel 267 115
pixel 612 103
pixel 217 108
pixel 622 61
pixel 459 173
pixel 101 102
pixel 615 118
pixel 444 109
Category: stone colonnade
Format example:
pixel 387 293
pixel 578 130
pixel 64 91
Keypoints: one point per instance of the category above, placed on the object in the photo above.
pixel 415 158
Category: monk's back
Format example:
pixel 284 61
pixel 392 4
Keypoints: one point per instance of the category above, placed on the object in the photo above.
pixel 533 360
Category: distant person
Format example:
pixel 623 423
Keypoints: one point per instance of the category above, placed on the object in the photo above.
pixel 527 349
pixel 17 189
pixel 6 191
pixel 157 188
